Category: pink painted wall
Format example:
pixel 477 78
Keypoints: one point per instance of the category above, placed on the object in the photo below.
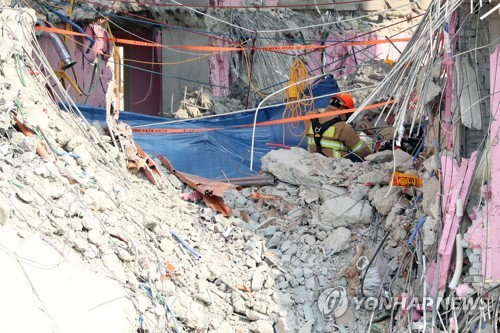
pixel 491 250
pixel 457 181
pixel 219 69
pixel 85 64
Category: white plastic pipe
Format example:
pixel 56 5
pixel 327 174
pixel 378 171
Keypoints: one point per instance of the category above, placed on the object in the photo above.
pixel 490 11
pixel 264 100
pixel 459 263
pixel 459 208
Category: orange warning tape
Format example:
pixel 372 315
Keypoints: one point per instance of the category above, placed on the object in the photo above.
pixel 378 41
pixel 116 40
pixel 285 47
pixel 264 123
pixel 223 48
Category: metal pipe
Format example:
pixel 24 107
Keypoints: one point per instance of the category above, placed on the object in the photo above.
pixel 250 181
pixel 60 47
pixel 269 178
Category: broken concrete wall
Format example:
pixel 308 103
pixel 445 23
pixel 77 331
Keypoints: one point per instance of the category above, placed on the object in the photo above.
pixel 178 67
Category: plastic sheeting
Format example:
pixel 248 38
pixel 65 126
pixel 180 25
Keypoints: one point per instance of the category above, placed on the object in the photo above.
pixel 222 153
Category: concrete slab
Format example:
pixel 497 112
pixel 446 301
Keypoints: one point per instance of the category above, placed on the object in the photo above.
pixel 50 286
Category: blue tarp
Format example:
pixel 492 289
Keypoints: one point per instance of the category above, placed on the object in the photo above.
pixel 220 153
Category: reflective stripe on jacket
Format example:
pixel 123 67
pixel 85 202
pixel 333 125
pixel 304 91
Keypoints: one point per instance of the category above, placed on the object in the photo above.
pixel 338 140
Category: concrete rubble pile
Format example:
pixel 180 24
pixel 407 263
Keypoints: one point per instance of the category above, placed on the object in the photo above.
pixel 365 78
pixel 322 216
pixel 195 104
pixel 114 242
pixel 201 103
pixel 87 244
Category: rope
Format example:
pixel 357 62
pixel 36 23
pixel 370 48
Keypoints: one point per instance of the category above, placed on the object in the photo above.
pixel 297 92
pixel 250 81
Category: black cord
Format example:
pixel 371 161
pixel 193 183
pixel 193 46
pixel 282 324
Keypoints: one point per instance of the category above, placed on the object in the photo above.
pixel 387 233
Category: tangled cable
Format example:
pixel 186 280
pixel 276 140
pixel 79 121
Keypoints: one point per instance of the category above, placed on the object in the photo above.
pixel 299 93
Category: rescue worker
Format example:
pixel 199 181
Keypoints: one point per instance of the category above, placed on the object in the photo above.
pixel 332 136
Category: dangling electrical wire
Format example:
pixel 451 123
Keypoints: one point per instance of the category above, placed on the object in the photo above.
pixel 148 93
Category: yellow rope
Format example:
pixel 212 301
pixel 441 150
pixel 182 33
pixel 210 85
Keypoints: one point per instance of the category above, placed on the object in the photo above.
pixel 297 92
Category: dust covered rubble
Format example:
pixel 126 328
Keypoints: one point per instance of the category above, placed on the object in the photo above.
pixel 260 271
pixel 122 228
pixel 82 205
pixel 316 219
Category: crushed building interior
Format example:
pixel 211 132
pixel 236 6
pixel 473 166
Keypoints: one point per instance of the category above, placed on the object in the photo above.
pixel 160 170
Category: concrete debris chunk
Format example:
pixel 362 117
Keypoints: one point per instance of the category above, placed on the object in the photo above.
pixel 98 199
pixel 338 240
pixel 308 326
pixel 83 157
pixel 385 198
pixel 344 211
pixel 25 196
pixel 375 177
pixel 330 191
pixel 23 144
pixel 292 166
pixel 96 237
pixel 175 181
pixel 402 161
pixel 261 326
pixel 358 191
pixel 74 142
pixel 4 215
pixel 257 280
pixel 380 157
pixel 430 198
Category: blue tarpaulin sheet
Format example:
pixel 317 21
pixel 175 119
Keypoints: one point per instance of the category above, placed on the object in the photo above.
pixel 221 153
